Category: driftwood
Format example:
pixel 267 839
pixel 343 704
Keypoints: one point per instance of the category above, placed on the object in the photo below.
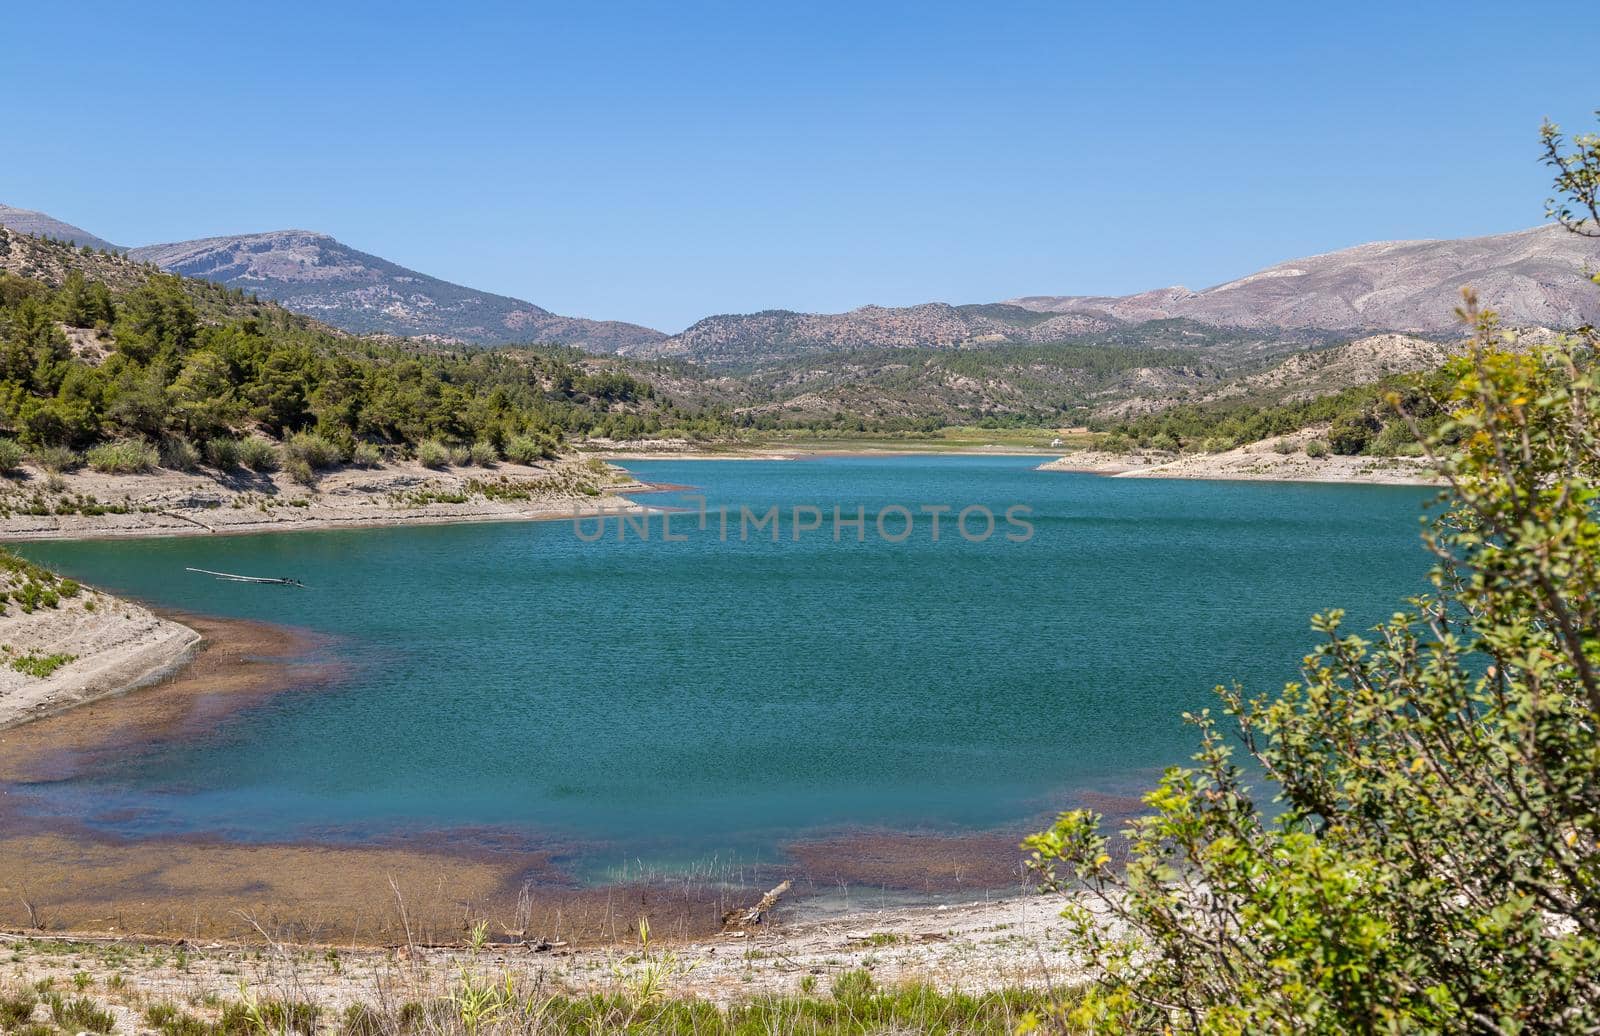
pixel 274 581
pixel 738 920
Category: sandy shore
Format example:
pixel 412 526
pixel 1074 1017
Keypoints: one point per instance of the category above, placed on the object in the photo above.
pixel 85 504
pixel 115 645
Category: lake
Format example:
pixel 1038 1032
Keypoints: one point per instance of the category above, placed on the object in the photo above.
pixel 661 704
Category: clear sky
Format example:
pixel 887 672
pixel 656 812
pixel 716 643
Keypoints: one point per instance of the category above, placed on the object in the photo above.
pixel 661 162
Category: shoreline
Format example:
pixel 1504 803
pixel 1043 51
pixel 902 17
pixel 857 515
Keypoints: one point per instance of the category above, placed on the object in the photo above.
pixel 87 505
pixel 1012 942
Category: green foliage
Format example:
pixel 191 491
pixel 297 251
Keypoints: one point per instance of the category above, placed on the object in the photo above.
pixel 366 455
pixel 179 454
pixel 15 1011
pixel 1316 448
pixel 1434 861
pixel 314 451
pixel 80 1014
pixel 432 453
pixel 483 454
pixel 258 454
pixel 1350 434
pixel 528 449
pixel 222 453
pixel 194 359
pixel 123 457
pixel 55 459
pixel 11 455
pixel 41 666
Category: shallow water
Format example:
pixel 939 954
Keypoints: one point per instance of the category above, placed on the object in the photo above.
pixel 661 704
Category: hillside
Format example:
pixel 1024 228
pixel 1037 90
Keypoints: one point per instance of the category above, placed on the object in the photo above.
pixel 315 274
pixel 27 221
pixel 1532 277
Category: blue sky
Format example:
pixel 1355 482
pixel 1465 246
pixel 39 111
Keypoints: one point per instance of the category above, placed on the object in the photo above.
pixel 661 162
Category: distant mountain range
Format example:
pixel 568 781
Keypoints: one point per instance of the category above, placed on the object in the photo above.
pixel 316 275
pixel 27 221
pixel 1533 277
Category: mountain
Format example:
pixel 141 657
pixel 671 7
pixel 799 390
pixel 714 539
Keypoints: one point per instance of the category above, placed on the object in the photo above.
pixel 1532 277
pixel 316 275
pixel 27 221
pixel 733 339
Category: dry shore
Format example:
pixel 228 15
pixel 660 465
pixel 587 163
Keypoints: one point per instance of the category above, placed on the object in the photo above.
pixel 86 504
pixel 1016 942
pixel 1255 462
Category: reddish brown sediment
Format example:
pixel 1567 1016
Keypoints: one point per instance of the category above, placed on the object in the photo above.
pixel 360 888
pixel 58 872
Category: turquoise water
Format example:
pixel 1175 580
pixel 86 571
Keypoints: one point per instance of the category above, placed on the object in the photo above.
pixel 671 702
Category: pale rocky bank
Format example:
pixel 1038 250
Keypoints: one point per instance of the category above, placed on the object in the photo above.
pixel 1254 462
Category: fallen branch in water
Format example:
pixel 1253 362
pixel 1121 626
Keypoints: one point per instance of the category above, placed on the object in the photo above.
pixel 736 920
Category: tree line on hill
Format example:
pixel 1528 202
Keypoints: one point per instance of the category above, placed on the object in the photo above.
pixel 176 365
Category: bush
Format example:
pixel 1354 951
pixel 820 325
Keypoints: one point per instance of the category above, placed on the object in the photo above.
pixel 1350 435
pixel 259 455
pixel 529 449
pixel 1285 447
pixel 315 451
pixel 460 456
pixel 300 469
pixel 432 453
pixel 222 453
pixel 179 454
pixel 56 459
pixel 11 455
pixel 484 455
pixel 1393 440
pixel 1316 448
pixel 124 457
pixel 1430 858
pixel 366 455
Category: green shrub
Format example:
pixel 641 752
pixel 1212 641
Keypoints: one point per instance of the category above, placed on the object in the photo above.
pixel 179 454
pixel 1285 447
pixel 1350 435
pixel 124 457
pixel 81 1014
pixel 317 451
pixel 11 455
pixel 483 454
pixel 1316 448
pixel 529 449
pixel 16 1011
pixel 40 666
pixel 222 453
pixel 431 453
pixel 300 469
pixel 460 456
pixel 1392 440
pixel 55 459
pixel 366 455
pixel 259 454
